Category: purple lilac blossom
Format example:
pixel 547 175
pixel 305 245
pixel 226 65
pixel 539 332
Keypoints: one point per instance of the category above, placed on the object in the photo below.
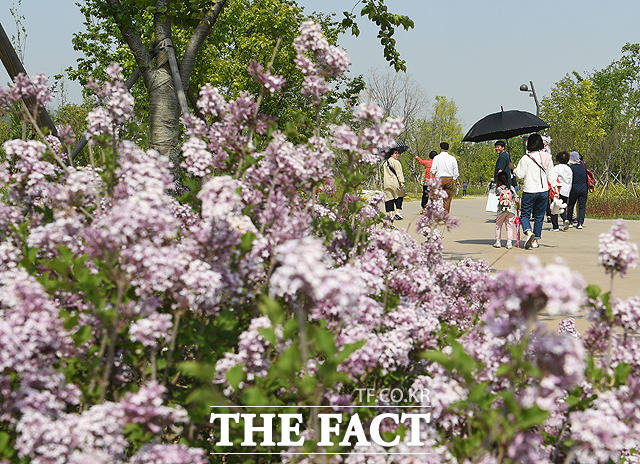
pixel 616 254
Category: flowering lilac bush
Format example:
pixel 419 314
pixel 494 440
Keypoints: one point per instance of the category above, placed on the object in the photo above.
pixel 131 300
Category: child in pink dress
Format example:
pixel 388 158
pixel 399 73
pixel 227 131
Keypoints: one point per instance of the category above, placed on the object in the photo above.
pixel 507 198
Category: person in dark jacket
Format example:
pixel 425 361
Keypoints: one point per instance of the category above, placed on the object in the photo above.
pixel 503 163
pixel 579 190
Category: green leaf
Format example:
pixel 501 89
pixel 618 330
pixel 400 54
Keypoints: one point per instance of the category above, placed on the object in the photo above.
pixel 323 340
pixel 82 335
pixel 207 397
pixel 246 242
pixel 348 349
pixel 254 396
pixel 290 329
pixel 271 308
pixel 70 322
pixel 593 291
pixel 269 335
pixel 621 373
pixel 504 369
pixel 235 375
pixel 199 370
pixel 289 362
pixel 5 438
pixel 532 417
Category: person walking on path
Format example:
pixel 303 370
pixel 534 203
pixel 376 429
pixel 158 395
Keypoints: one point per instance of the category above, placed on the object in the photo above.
pixel 393 186
pixel 536 170
pixel 445 168
pixel 427 175
pixel 507 198
pixel 579 190
pixel 503 163
pixel 565 179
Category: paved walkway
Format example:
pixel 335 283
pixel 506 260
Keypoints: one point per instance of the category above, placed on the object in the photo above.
pixel 578 248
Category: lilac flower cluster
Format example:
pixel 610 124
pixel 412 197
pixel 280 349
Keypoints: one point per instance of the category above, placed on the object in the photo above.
pixel 374 139
pixel 517 297
pixel 252 354
pixel 197 160
pixel 145 407
pixel 224 131
pixel 270 81
pixel 116 104
pixel 168 454
pixel 568 327
pixel 32 173
pixel 616 253
pixel 318 60
pixel 150 329
pixel 26 88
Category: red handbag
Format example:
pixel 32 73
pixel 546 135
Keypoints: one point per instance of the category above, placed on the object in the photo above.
pixel 591 178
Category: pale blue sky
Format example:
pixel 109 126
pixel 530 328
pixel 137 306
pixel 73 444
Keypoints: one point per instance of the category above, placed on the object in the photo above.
pixel 477 52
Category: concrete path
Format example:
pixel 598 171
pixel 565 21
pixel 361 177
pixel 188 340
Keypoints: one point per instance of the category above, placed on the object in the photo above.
pixel 578 248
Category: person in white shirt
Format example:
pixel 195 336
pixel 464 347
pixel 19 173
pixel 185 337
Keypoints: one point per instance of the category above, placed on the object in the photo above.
pixel 565 178
pixel 536 168
pixel 445 168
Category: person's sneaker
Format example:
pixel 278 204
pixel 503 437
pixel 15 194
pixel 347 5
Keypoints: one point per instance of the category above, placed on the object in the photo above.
pixel 497 244
pixel 509 246
pixel 579 226
pixel 555 230
pixel 528 240
pixel 398 216
pixel 567 224
pixel 534 244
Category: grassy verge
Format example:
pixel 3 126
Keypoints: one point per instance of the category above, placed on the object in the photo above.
pixel 613 208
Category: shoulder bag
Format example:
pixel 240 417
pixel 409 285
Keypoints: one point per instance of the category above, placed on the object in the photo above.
pixel 404 190
pixel 591 178
pixel 551 191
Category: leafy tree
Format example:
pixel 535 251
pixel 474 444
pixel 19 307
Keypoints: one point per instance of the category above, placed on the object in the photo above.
pixel 574 115
pixel 426 134
pixel 618 90
pixel 476 161
pixel 144 33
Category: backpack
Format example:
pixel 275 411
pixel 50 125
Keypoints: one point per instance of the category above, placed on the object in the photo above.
pixel 505 198
pixel 591 179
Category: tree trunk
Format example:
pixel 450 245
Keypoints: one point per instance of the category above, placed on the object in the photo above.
pixel 164 114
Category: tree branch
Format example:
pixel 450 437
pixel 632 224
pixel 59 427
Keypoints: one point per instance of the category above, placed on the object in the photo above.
pixel 133 39
pixel 197 39
pixel 161 22
pixel 14 66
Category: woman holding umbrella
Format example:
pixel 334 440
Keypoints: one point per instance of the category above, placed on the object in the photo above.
pixel 536 170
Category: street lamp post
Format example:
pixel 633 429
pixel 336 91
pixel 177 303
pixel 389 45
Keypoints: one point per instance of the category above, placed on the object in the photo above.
pixel 525 88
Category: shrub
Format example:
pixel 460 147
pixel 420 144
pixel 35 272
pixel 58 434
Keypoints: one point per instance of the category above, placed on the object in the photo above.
pixel 128 295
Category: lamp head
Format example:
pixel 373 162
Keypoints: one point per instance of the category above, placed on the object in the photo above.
pixel 524 88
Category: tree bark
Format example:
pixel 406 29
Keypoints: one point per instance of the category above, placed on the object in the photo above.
pixel 14 66
pixel 164 113
pixel 164 107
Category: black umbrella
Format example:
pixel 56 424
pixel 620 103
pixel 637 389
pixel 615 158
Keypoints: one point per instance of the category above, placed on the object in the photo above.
pixel 504 125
